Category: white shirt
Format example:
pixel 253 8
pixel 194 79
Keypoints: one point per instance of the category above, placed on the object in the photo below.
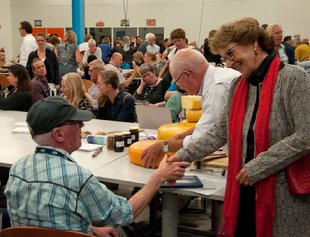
pixel 97 53
pixel 282 54
pixel 214 94
pixel 94 93
pixel 83 46
pixel 29 44
pixel 111 67
pixel 153 48
pixel 172 52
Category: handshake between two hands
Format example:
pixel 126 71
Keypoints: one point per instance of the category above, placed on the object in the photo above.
pixel 171 168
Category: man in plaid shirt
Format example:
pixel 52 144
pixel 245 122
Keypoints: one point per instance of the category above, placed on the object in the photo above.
pixel 49 189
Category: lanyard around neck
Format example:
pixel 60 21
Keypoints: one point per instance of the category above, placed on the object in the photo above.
pixel 49 151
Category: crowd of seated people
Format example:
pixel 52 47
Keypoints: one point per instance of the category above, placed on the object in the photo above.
pixel 63 56
pixel 142 83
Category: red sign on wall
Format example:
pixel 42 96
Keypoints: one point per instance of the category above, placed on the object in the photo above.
pixel 99 23
pixel 150 22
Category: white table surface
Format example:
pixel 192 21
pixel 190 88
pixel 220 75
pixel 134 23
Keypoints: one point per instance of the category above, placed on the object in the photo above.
pixel 105 165
pixel 133 175
pixel 15 146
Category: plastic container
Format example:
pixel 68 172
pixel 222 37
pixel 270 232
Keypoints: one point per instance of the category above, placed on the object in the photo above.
pixel 97 139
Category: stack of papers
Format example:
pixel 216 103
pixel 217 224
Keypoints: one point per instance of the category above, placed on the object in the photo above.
pixel 89 147
pixel 21 129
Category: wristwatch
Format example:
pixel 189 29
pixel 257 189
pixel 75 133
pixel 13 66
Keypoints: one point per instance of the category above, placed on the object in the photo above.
pixel 166 147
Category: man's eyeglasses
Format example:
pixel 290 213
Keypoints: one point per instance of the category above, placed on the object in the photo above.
pixel 229 54
pixel 176 81
pixel 92 70
pixel 39 67
pixel 71 122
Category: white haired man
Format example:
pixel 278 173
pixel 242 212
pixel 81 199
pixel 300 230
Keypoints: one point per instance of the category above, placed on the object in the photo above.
pixel 194 75
pixel 149 37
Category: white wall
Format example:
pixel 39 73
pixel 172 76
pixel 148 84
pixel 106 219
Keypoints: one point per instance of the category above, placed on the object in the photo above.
pixel 6 28
pixel 293 15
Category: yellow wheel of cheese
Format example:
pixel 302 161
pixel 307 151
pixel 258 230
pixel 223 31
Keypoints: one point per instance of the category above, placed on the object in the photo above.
pixel 167 131
pixel 137 148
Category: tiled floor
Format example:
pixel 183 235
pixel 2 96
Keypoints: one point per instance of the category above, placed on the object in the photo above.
pixel 193 220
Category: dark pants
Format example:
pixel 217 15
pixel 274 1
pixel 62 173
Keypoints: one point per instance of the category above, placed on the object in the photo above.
pixel 246 226
pixel 4 175
pixel 5 218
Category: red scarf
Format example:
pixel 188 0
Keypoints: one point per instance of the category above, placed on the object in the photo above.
pixel 265 189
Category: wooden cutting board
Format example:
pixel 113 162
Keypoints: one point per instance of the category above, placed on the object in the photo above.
pixel 216 160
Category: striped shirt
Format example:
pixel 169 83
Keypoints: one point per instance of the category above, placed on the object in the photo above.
pixel 49 189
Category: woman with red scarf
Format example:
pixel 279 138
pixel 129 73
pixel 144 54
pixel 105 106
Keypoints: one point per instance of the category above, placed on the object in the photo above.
pixel 267 127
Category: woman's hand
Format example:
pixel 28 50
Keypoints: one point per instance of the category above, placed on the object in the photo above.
pixel 244 178
pixel 170 169
pixel 151 154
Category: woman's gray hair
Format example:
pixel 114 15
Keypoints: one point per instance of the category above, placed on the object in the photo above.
pixel 149 36
pixel 144 68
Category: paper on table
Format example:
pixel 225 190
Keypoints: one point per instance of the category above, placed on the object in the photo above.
pixel 20 130
pixel 147 134
pixel 24 124
pixel 209 186
pixel 88 147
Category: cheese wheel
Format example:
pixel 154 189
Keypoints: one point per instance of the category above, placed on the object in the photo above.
pixel 137 148
pixel 191 102
pixel 192 116
pixel 167 131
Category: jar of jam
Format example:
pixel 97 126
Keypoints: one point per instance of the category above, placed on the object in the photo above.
pixel 127 139
pixel 119 142
pixel 110 142
pixel 134 131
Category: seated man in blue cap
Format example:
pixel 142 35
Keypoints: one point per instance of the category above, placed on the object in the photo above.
pixel 49 189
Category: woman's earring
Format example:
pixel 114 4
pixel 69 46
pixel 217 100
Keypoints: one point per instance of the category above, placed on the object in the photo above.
pixel 255 51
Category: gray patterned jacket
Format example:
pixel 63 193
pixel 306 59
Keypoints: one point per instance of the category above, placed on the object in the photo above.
pixel 289 137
